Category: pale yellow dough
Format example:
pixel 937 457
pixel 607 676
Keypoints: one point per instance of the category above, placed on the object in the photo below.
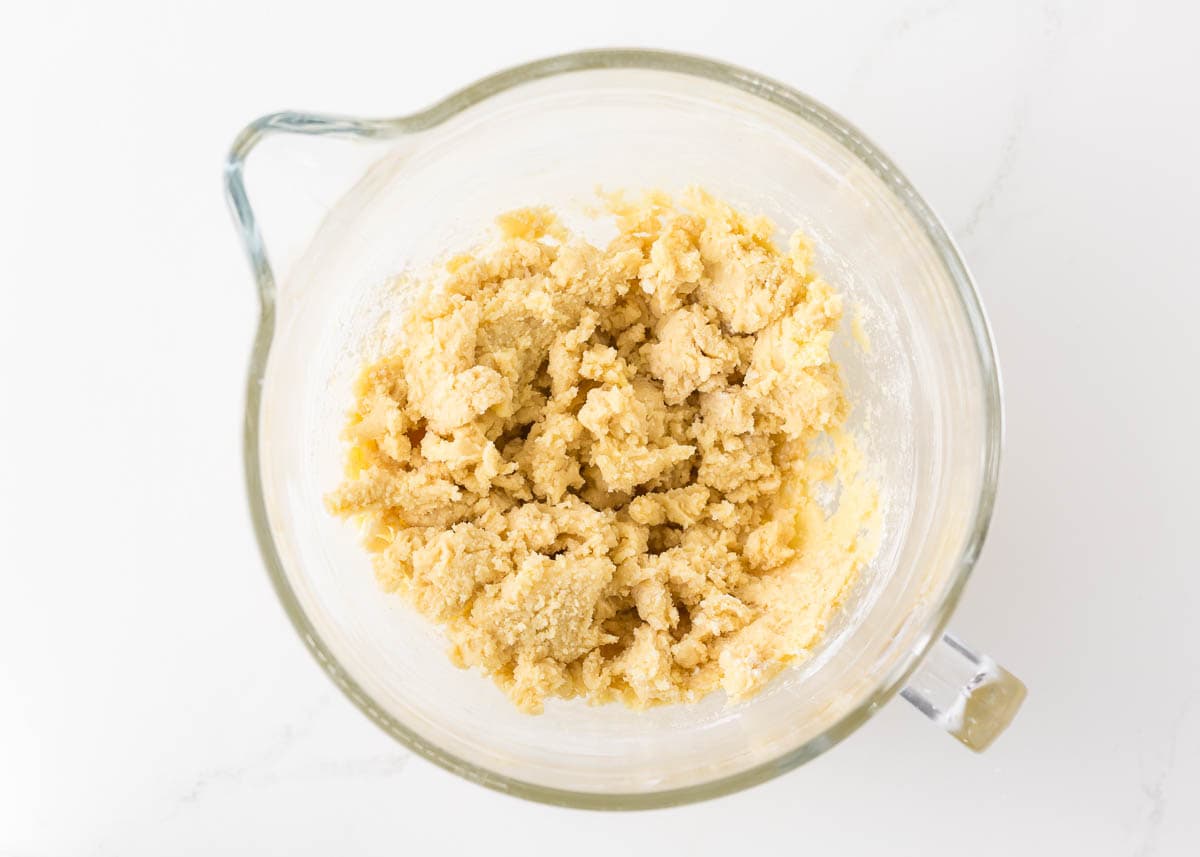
pixel 599 469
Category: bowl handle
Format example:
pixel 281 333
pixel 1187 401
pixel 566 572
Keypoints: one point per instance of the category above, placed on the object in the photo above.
pixel 307 125
pixel 968 694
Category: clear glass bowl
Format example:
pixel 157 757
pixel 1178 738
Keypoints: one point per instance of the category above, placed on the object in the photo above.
pixel 348 203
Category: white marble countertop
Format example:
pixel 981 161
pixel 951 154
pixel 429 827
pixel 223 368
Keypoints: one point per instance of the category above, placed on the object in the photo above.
pixel 153 698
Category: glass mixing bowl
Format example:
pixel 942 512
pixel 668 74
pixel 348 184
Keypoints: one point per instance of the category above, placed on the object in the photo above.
pixel 346 204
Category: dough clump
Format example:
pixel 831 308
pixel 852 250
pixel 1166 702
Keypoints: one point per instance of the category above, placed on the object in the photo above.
pixel 599 469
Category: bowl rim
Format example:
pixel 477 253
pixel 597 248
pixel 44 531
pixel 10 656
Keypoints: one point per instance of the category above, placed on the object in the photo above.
pixel 749 82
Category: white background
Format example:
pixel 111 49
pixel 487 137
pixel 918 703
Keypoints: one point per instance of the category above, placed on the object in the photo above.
pixel 154 700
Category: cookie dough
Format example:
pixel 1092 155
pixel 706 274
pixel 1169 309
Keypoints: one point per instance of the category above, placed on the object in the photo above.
pixel 601 470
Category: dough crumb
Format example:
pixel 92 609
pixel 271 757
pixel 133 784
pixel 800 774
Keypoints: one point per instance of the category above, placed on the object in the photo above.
pixel 601 469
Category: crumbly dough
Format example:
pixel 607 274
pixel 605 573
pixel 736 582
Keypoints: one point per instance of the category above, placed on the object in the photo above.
pixel 600 469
